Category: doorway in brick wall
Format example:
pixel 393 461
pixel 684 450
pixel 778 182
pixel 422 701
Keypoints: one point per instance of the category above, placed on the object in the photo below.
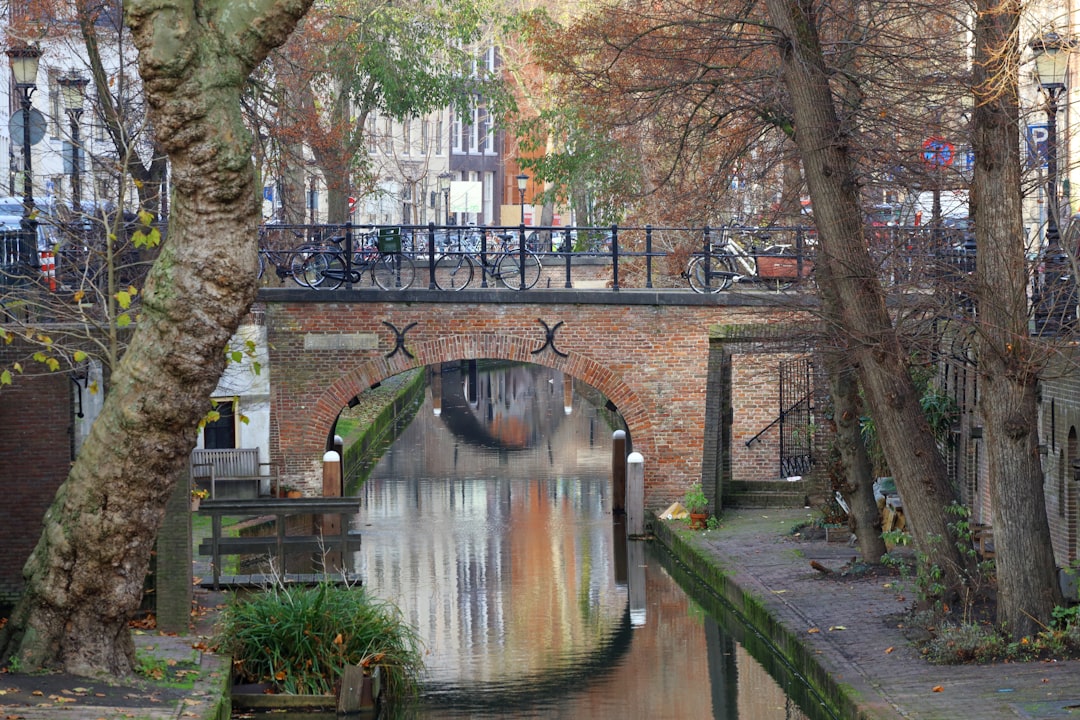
pixel 796 417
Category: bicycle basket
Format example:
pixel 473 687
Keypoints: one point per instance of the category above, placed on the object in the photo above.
pixel 390 240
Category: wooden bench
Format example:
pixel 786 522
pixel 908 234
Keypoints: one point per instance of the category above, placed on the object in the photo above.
pixel 229 465
pixel 278 544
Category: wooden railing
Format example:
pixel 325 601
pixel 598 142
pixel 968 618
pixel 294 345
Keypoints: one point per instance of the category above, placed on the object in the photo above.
pixel 334 535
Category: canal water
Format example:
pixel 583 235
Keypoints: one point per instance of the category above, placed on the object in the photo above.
pixel 488 522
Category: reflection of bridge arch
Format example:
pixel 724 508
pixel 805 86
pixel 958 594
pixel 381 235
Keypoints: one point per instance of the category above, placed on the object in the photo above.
pixel 528 692
pixel 460 416
pixel 324 411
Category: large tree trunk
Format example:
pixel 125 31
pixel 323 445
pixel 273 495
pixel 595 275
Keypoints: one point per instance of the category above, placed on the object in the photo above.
pixel 1008 364
pixel 858 301
pixel 84 579
pixel 864 517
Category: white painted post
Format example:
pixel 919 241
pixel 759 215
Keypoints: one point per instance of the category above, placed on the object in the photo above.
pixel 331 474
pixel 330 524
pixel 635 495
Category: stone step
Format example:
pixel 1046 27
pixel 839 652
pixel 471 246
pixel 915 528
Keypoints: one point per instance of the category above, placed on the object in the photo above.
pixel 765 494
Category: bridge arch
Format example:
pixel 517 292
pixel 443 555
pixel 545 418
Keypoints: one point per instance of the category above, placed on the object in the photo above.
pixel 652 357
pixel 476 346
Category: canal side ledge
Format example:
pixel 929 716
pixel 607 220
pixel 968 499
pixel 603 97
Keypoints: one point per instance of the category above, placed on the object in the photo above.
pixel 843 634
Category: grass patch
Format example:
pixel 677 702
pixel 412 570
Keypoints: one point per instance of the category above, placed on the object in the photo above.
pixel 300 639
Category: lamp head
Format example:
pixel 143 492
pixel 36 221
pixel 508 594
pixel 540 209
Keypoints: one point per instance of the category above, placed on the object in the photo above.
pixel 1051 53
pixel 522 182
pixel 444 181
pixel 72 86
pixel 24 64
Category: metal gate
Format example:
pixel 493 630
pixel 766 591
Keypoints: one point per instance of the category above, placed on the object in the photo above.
pixel 796 417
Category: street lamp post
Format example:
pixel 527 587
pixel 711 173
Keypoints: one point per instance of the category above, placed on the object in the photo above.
pixel 71 87
pixel 24 67
pixel 1051 53
pixel 444 187
pixel 522 183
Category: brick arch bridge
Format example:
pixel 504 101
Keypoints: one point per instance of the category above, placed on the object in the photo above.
pixel 647 352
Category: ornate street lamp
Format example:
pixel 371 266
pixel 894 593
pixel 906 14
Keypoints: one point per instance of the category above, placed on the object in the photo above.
pixel 444 187
pixel 71 88
pixel 1051 53
pixel 522 183
pixel 1051 64
pixel 24 68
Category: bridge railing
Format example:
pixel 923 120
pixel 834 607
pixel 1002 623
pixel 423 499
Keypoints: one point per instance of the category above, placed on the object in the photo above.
pixel 615 257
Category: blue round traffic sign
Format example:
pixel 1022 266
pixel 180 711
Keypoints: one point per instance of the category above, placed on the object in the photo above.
pixel 936 151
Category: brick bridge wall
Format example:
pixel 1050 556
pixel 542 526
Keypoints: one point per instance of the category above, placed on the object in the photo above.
pixel 650 357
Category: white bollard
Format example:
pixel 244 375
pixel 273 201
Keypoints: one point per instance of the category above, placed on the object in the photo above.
pixel 635 495
pixel 331 474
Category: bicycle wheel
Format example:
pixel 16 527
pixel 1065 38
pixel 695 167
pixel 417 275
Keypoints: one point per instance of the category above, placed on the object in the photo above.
pixel 308 264
pixel 453 272
pixel 330 267
pixel 394 271
pixel 717 277
pixel 509 269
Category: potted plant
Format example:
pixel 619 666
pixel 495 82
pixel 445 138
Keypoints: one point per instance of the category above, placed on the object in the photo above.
pixel 291 492
pixel 697 505
pixel 197 496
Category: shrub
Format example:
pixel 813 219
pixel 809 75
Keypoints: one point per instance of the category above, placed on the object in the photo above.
pixel 967 643
pixel 300 639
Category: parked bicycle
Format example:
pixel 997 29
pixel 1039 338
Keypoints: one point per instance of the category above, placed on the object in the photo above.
pixel 511 266
pixel 387 270
pixel 293 263
pixel 734 260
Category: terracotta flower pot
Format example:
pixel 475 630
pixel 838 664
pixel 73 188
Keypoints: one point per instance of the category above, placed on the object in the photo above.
pixel 698 521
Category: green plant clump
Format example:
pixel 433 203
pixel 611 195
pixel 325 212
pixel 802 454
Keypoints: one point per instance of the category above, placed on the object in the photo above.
pixel 695 501
pixel 300 639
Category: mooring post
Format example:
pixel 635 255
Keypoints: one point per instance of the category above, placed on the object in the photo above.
pixel 635 495
pixel 618 472
pixel 330 524
pixel 331 473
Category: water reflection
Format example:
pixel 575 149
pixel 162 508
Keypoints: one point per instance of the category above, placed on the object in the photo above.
pixel 490 525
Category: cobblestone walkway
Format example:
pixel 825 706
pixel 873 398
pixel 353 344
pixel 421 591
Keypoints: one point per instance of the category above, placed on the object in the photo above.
pixel 851 627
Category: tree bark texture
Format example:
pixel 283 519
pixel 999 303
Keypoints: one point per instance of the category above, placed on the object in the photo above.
pixel 1008 362
pixel 857 300
pixel 857 470
pixel 84 579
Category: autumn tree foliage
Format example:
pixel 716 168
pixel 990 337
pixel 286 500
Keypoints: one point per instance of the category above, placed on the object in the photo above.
pixel 721 90
pixel 351 63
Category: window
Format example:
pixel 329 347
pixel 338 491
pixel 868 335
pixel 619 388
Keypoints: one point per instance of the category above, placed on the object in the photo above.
pixel 388 136
pixel 474 131
pixel 372 135
pixel 439 136
pixel 406 136
pixel 456 131
pixel 425 136
pixel 56 108
pixel 221 433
